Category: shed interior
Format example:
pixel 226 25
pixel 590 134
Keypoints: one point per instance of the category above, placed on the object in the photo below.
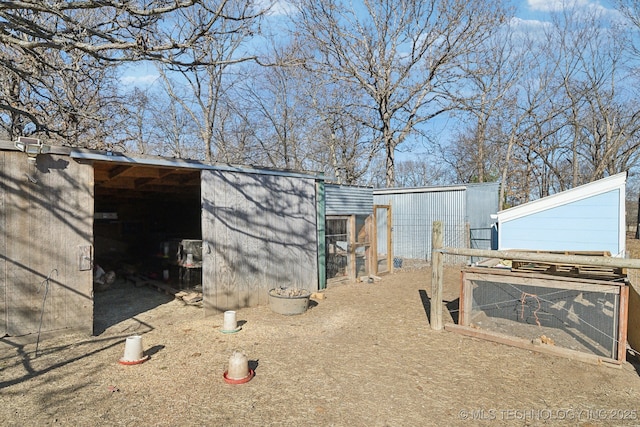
pixel 142 214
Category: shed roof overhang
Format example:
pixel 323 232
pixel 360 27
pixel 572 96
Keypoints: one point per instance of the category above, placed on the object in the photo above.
pixel 578 193
pixel 136 175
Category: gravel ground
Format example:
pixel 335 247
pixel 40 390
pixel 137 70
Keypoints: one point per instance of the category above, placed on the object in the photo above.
pixel 362 356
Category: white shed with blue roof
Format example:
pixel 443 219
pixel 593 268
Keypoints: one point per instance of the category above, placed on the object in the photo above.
pixel 590 217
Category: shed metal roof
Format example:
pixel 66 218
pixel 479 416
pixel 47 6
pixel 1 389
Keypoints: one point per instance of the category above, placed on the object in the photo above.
pixel 578 193
pixel 148 160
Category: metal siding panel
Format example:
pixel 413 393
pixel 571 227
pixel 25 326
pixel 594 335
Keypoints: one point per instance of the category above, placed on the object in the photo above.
pixel 414 214
pixel 348 200
pixel 482 202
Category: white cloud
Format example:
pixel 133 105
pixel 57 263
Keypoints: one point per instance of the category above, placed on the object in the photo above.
pixel 281 7
pixel 139 80
pixel 527 24
pixel 576 7
pixel 276 7
pixel 555 5
pixel 560 5
pixel 528 28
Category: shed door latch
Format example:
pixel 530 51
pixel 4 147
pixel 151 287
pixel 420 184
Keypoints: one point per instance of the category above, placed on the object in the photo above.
pixel 85 260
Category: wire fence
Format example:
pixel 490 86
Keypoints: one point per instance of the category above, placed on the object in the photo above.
pixel 411 241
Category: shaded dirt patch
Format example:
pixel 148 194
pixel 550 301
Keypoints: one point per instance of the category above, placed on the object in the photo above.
pixel 364 355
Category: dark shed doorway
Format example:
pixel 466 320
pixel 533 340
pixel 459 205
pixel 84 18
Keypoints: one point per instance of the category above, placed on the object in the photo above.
pixel 144 216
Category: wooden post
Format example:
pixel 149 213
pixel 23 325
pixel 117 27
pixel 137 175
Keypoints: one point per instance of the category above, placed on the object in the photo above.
pixel 351 247
pixel 437 273
pixel 389 239
pixel 374 242
pixel 467 235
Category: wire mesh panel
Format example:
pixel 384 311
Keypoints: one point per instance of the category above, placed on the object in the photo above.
pixel 570 313
pixel 337 243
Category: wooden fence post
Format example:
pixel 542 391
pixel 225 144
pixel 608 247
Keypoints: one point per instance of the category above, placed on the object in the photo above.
pixel 437 272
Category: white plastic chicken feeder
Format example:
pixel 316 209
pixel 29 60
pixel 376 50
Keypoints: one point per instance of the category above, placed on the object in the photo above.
pixel 238 371
pixel 133 353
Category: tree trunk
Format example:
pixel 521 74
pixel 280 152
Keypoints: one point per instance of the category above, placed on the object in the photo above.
pixel 390 174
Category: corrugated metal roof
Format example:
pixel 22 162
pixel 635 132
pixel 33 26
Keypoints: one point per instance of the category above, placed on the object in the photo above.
pixel 403 190
pixel 141 159
pixel 348 200
pixel 183 163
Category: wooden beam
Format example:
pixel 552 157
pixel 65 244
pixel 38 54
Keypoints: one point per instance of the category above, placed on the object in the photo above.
pixel 389 238
pixel 544 257
pixel 118 170
pixel 466 299
pixel 437 273
pixel 374 240
pixel 623 323
pixel 351 245
pixel 529 345
pixel 541 280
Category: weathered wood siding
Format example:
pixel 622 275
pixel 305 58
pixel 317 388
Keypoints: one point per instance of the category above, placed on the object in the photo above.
pixel 3 246
pixel 259 232
pixel 46 216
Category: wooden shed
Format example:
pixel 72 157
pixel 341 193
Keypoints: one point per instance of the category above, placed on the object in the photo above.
pixel 64 211
pixel 590 217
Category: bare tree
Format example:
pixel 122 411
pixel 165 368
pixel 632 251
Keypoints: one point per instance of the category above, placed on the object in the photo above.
pixel 422 171
pixel 342 146
pixel 44 43
pixel 599 122
pixel 137 131
pixel 594 130
pixel 525 110
pixel 73 99
pixel 490 74
pixel 178 136
pixel 610 124
pixel 630 10
pixel 566 121
pixel 274 102
pixel 298 120
pixel 113 30
pixel 202 90
pixel 398 55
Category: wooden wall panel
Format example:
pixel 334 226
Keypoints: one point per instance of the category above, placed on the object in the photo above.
pixel 3 247
pixel 259 232
pixel 633 325
pixel 49 215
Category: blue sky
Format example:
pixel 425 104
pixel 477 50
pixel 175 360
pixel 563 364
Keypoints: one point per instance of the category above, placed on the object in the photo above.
pixel 540 10
pixel 529 13
pixel 531 16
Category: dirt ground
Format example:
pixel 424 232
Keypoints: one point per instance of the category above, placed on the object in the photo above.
pixel 363 356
